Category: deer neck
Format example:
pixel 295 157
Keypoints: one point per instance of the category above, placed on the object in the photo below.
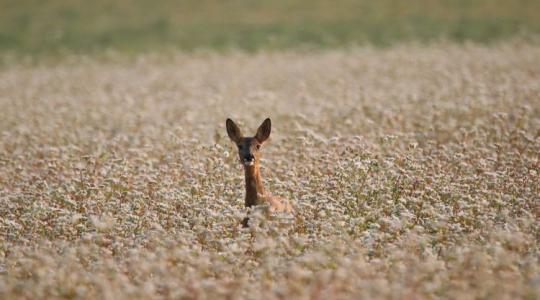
pixel 254 185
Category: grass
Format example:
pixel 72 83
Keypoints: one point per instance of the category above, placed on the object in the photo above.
pixel 413 170
pixel 38 28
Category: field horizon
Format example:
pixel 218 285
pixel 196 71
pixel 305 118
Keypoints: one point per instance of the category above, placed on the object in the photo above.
pixel 56 27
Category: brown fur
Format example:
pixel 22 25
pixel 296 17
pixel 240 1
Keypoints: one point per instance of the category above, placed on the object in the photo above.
pixel 250 154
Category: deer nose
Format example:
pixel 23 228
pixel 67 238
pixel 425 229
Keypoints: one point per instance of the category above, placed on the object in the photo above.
pixel 249 157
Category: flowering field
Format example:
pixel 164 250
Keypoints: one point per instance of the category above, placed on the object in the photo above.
pixel 414 172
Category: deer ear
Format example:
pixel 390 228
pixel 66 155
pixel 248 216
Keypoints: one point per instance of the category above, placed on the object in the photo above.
pixel 233 131
pixel 264 130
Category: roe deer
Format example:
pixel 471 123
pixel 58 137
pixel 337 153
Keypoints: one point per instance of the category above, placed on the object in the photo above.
pixel 250 154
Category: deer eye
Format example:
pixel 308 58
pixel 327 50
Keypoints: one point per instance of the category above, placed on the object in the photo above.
pixel 258 147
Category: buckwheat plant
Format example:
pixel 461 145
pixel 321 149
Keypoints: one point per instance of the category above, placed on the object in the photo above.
pixel 414 171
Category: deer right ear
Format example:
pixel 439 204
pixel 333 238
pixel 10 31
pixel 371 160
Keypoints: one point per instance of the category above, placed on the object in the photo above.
pixel 233 131
pixel 264 130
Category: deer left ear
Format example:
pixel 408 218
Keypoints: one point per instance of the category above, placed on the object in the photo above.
pixel 233 131
pixel 264 130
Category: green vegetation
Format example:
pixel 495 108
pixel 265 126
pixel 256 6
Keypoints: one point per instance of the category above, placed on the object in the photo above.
pixel 46 27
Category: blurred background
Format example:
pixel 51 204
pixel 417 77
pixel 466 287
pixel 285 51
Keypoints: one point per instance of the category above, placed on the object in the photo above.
pixel 35 27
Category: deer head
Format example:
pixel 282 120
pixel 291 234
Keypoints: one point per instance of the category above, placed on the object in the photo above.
pixel 249 147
